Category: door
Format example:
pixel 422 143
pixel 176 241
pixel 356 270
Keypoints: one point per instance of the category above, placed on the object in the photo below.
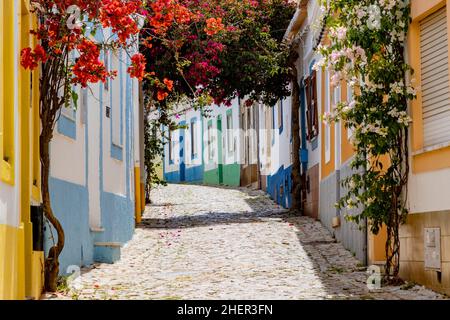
pixel 220 149
pixel 182 154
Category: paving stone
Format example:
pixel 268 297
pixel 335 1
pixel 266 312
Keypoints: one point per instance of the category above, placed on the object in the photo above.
pixel 199 242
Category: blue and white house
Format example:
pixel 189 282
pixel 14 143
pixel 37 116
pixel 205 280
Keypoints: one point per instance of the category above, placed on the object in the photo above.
pixel 183 161
pixel 276 151
pixel 95 149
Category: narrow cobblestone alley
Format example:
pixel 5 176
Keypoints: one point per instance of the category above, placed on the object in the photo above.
pixel 198 242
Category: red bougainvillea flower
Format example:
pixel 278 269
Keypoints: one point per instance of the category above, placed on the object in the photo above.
pixel 214 26
pixel 168 83
pixel 161 95
pixel 29 59
pixel 89 68
pixel 137 68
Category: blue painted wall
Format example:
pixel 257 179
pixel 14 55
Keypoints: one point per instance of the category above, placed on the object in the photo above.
pixel 70 204
pixel 282 178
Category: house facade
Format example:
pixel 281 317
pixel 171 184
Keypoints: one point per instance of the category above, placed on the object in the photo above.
pixel 425 238
pixel 205 149
pixel 95 177
pixel 21 249
pixel 275 149
pixel 183 161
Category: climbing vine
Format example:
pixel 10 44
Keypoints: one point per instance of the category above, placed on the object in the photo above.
pixel 366 50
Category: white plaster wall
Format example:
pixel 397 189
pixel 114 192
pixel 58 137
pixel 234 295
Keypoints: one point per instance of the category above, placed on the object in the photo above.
pixel 114 171
pixel 428 192
pixel 10 195
pixel 187 117
pixel 68 155
pixel 93 122
pixel 136 106
pixel 233 157
pixel 281 149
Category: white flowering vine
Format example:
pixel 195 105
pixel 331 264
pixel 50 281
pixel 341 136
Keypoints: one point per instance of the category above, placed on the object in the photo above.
pixel 366 50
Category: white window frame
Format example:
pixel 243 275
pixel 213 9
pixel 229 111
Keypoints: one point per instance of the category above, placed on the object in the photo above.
pixel 230 140
pixel 210 142
pixel 194 149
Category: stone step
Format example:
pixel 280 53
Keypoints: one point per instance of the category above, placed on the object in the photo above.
pixel 107 252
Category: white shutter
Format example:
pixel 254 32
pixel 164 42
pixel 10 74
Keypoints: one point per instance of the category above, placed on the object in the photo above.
pixel 435 78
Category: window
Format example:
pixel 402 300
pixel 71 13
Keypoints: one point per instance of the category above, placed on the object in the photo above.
pixel 83 104
pixel 170 147
pixel 435 78
pixel 210 141
pixel 312 116
pixel 327 134
pixel 230 141
pixel 193 139
pixel 280 116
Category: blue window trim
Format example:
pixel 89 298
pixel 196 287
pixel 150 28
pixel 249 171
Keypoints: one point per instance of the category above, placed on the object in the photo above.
pixel 282 120
pixel 194 120
pixel 116 150
pixel 67 127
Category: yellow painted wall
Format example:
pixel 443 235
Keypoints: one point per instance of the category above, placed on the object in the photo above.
pixel 9 242
pixel 423 160
pixel 347 149
pixel 327 168
pixel 137 195
pixel 21 269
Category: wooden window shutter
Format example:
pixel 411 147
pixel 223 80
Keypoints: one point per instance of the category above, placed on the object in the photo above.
pixel 314 104
pixel 435 78
pixel 308 107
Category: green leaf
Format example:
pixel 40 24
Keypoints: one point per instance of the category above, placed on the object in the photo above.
pixel 74 98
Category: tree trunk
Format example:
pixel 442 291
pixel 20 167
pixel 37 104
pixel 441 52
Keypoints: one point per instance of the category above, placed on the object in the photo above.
pixel 296 175
pixel 52 260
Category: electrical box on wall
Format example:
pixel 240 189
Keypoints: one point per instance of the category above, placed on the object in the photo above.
pixel 432 248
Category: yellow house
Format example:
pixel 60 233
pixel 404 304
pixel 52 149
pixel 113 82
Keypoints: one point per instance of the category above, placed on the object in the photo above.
pixel 21 261
pixel 425 239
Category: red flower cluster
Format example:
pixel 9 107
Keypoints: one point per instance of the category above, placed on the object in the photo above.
pixel 168 83
pixel 164 13
pixel 214 26
pixel 137 68
pixel 29 59
pixel 118 14
pixel 89 68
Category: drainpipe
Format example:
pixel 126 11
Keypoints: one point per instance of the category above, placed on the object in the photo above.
pixel 303 149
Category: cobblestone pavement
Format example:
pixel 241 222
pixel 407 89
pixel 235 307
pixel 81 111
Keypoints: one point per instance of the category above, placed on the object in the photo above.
pixel 198 242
